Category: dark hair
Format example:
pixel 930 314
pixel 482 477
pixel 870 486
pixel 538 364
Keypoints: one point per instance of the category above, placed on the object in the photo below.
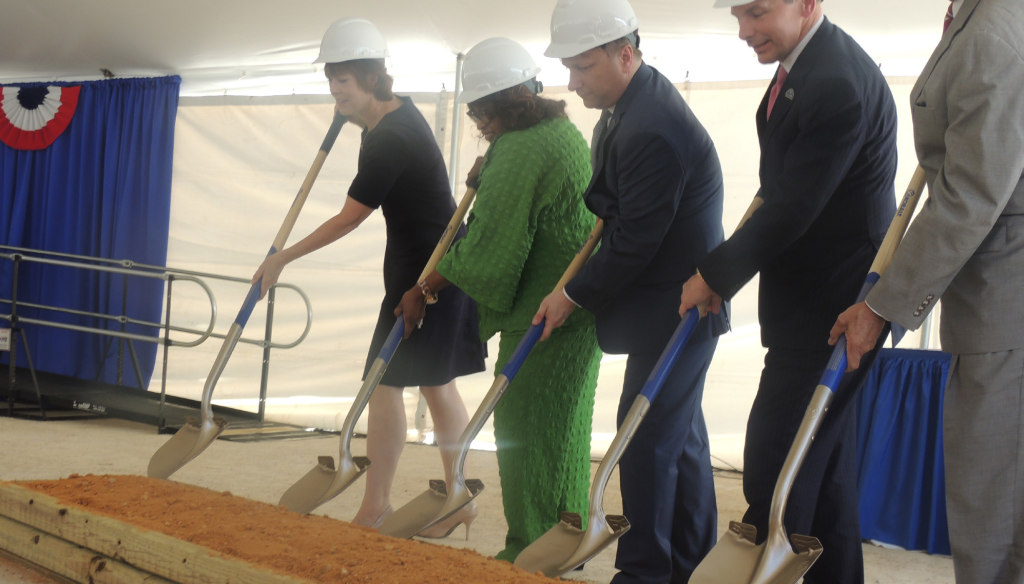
pixel 517 108
pixel 364 70
pixel 632 39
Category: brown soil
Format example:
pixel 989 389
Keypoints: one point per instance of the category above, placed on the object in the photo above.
pixel 316 548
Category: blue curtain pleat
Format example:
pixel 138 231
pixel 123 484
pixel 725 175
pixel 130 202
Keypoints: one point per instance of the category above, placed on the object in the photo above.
pixel 902 476
pixel 103 188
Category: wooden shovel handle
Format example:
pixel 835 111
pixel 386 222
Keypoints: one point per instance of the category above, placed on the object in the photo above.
pixel 453 225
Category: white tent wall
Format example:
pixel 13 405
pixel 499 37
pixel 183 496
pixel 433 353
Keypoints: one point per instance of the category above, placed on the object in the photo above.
pixel 238 163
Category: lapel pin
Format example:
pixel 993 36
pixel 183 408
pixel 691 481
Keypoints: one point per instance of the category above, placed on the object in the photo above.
pixel 790 93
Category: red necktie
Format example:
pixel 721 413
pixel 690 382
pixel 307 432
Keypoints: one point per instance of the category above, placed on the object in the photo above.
pixel 949 17
pixel 780 78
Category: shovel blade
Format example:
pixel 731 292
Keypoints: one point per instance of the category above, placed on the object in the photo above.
pixel 781 565
pixel 567 545
pixel 736 559
pixel 428 508
pixel 733 559
pixel 322 483
pixel 190 440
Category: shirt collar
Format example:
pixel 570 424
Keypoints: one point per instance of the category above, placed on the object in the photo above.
pixel 790 59
pixel 956 6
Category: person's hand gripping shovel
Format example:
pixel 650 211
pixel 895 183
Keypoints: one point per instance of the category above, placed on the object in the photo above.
pixel 192 438
pixel 737 558
pixel 325 480
pixel 568 544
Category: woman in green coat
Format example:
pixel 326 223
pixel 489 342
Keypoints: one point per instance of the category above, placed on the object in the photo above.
pixel 526 225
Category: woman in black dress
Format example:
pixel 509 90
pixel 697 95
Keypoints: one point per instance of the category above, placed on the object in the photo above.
pixel 401 171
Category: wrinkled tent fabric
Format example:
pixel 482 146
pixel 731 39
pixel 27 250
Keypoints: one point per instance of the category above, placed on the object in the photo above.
pixel 102 188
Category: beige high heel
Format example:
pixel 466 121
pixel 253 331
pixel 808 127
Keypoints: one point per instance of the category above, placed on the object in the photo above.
pixel 379 520
pixel 442 529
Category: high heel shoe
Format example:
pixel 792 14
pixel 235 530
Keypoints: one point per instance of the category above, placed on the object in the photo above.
pixel 379 520
pixel 443 529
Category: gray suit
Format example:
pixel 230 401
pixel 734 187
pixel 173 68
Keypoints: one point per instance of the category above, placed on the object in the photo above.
pixel 967 247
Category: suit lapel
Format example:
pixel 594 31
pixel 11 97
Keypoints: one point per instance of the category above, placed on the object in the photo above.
pixel 962 16
pixel 641 77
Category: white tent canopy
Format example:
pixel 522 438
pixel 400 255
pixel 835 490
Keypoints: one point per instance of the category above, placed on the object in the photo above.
pixel 266 47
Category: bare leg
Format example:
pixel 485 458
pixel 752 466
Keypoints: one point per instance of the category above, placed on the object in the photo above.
pixel 385 437
pixel 450 420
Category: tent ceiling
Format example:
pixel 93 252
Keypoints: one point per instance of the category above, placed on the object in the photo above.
pixel 261 47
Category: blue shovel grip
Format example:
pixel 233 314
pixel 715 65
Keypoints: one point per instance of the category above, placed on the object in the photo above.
pixel 522 351
pixel 667 360
pixel 391 343
pixel 252 297
pixel 837 362
pixel 332 132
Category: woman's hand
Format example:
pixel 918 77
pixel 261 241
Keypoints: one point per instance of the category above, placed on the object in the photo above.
pixel 269 271
pixel 412 309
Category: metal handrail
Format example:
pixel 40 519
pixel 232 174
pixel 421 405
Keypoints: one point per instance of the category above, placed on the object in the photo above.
pixel 128 267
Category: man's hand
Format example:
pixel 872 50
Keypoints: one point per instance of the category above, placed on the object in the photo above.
pixel 862 328
pixel 412 308
pixel 696 292
pixel 554 309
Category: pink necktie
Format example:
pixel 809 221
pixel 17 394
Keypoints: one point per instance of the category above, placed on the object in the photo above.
pixel 780 78
pixel 949 17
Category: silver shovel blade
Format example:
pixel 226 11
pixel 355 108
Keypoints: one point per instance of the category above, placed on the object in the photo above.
pixel 567 545
pixel 190 440
pixel 781 565
pixel 428 508
pixel 736 559
pixel 732 560
pixel 322 483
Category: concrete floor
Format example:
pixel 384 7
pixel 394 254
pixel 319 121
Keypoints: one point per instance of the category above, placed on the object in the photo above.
pixel 264 470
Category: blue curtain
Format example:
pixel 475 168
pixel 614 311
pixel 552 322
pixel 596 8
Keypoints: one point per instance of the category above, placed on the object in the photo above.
pixel 902 476
pixel 102 188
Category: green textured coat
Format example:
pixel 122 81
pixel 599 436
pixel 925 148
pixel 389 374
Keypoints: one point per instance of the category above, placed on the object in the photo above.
pixel 526 225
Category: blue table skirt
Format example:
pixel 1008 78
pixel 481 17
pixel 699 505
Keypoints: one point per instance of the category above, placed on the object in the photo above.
pixel 899 436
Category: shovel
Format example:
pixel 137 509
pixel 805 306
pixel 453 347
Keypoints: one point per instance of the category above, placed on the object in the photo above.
pixel 736 558
pixel 567 545
pixel 324 482
pixel 192 438
pixel 437 503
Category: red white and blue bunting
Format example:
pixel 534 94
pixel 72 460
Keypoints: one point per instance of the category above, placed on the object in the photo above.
pixel 31 118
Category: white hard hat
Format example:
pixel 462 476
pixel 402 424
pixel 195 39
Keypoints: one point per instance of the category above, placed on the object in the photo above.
pixel 350 39
pixel 580 25
pixel 731 3
pixel 495 64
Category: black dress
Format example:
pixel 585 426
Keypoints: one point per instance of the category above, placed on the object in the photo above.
pixel 402 172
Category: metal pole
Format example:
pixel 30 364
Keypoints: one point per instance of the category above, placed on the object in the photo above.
pixel 453 159
pixel 265 371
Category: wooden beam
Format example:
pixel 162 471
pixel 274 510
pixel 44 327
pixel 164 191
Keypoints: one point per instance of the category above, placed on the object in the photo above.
pixel 169 558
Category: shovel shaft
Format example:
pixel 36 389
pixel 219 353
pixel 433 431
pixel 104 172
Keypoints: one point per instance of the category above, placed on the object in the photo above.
pixel 669 356
pixel 373 377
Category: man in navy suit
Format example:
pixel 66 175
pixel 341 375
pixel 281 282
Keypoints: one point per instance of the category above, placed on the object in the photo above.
pixel 828 161
pixel 657 185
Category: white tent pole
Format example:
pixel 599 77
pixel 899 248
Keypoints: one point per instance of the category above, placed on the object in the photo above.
pixel 453 159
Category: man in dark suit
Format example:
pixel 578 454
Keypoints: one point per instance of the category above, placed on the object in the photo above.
pixel 827 129
pixel 658 187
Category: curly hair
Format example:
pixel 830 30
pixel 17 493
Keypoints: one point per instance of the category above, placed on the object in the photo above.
pixel 363 70
pixel 517 108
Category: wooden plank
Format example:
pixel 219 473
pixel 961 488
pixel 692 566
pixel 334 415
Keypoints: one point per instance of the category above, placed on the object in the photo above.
pixel 66 559
pixel 176 560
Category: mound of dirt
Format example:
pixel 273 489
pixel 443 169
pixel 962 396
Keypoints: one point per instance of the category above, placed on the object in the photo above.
pixel 316 548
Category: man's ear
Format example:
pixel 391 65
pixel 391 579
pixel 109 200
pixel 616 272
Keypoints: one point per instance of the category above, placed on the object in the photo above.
pixel 626 56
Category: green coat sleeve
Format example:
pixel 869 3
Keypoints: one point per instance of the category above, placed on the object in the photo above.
pixel 488 262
